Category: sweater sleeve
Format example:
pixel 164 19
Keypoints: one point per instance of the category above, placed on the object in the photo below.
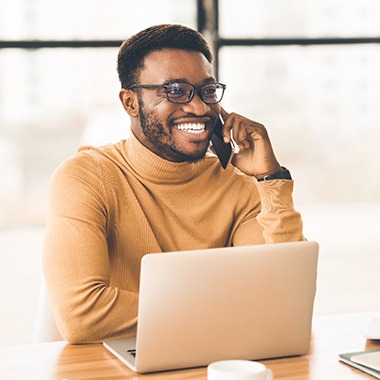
pixel 76 262
pixel 276 221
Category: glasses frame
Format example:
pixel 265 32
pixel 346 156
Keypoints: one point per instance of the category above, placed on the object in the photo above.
pixel 190 96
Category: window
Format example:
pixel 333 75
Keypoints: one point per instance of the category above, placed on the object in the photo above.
pixel 297 19
pixel 54 99
pixel 319 100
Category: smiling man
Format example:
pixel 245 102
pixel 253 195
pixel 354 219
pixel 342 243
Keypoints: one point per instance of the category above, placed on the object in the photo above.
pixel 170 125
pixel 160 190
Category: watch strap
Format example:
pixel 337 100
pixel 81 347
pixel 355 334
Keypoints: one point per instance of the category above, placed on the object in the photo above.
pixel 283 174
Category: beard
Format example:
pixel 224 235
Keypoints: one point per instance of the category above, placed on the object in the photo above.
pixel 162 138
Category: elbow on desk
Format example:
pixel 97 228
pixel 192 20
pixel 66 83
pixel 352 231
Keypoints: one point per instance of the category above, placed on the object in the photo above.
pixel 86 317
pixel 81 327
pixel 87 330
pixel 78 332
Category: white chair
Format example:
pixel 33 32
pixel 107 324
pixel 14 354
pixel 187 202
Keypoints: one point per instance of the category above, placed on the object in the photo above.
pixel 45 329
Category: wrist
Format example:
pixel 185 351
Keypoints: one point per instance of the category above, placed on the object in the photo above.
pixel 281 174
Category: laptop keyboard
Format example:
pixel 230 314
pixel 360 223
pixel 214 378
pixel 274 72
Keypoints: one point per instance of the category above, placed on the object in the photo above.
pixel 132 351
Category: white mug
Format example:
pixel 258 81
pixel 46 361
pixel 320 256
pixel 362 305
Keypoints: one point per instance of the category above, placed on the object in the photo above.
pixel 238 370
pixel 373 329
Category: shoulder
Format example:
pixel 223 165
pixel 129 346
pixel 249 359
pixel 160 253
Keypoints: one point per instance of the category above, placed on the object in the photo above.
pixel 88 168
pixel 89 159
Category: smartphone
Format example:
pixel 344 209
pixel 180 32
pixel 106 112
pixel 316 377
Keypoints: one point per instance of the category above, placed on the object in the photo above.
pixel 224 151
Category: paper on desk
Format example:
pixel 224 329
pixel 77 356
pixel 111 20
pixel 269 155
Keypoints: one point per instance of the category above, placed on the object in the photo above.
pixel 370 359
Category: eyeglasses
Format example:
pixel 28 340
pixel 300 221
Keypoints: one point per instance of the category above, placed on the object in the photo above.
pixel 182 92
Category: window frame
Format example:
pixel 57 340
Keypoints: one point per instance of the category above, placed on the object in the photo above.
pixel 207 24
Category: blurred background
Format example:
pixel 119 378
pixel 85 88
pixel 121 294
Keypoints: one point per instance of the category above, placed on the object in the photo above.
pixel 309 71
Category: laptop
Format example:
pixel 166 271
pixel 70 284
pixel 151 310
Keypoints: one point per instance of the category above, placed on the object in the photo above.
pixel 200 306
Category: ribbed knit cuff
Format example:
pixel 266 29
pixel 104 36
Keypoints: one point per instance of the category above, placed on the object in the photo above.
pixel 276 196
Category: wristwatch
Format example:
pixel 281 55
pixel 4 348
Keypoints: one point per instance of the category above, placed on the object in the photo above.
pixel 283 174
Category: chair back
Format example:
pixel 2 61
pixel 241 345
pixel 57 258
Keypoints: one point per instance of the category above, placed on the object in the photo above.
pixel 45 329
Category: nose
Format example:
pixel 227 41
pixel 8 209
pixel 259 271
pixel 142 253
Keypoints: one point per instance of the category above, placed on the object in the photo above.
pixel 196 106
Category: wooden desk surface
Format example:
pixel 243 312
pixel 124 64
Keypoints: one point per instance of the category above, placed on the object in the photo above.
pixel 331 335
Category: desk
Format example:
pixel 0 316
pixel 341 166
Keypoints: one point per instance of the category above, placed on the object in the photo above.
pixel 331 335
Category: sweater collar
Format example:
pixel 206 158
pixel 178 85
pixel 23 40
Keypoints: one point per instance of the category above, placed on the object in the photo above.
pixel 151 166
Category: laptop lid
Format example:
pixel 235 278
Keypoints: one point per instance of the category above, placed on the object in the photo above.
pixel 249 302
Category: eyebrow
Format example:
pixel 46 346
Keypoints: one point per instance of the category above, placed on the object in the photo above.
pixel 183 80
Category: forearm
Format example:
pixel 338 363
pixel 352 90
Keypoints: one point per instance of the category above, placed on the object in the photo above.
pixel 274 220
pixel 76 266
pixel 278 218
pixel 94 313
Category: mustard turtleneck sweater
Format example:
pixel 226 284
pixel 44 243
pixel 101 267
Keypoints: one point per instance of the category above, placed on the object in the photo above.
pixel 110 206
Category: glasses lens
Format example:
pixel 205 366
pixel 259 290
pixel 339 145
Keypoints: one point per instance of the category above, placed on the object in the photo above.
pixel 179 92
pixel 212 92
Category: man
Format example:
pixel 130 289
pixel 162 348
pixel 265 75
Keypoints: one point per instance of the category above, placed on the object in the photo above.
pixel 157 191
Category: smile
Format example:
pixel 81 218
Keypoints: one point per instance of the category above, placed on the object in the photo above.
pixel 195 128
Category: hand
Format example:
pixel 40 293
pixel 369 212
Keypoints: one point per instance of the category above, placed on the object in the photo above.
pixel 255 156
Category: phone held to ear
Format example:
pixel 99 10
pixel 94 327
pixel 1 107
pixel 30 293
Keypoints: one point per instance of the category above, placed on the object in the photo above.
pixel 224 151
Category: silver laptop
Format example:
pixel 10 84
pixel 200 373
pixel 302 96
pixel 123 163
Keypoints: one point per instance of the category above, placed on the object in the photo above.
pixel 196 307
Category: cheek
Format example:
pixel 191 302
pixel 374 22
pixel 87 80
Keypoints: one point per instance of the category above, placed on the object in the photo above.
pixel 157 104
pixel 151 100
pixel 163 111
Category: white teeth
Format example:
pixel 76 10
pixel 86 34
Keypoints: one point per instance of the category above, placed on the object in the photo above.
pixel 196 128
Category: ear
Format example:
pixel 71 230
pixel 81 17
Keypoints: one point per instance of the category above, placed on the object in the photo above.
pixel 130 102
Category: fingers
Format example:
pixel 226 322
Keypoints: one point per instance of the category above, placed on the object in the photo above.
pixel 226 128
pixel 255 155
pixel 241 136
pixel 244 131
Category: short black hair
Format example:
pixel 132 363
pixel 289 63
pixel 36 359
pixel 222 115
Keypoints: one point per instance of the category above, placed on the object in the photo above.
pixel 133 51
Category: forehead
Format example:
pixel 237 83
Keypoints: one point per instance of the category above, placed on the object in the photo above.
pixel 168 64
